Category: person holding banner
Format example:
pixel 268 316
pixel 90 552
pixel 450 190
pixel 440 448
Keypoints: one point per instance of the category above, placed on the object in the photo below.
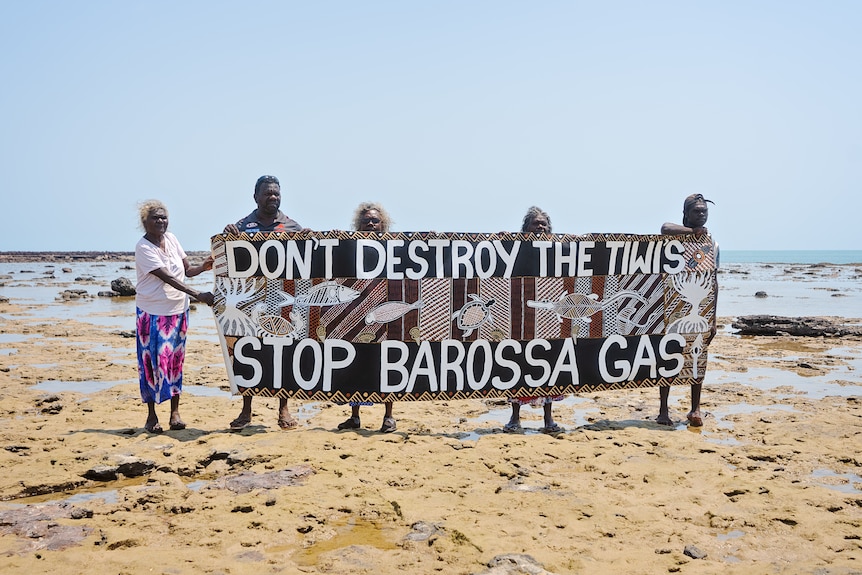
pixel 694 215
pixel 162 313
pixel 370 217
pixel 536 221
pixel 267 217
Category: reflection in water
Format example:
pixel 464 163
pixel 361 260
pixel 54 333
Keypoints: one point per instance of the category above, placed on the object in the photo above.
pixel 735 534
pixel 350 531
pixel 54 386
pixel 846 482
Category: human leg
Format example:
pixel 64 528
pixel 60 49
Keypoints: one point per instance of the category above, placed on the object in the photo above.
pixel 550 425
pixel 514 424
pixel 285 419
pixel 663 413
pixel 695 419
pixel 388 421
pixel 352 422
pixel 152 425
pixel 176 422
pixel 244 417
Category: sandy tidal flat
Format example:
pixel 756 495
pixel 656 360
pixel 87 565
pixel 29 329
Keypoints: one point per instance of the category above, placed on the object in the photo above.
pixel 771 484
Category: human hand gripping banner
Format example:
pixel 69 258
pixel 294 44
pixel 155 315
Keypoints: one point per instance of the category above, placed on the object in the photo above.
pixel 361 316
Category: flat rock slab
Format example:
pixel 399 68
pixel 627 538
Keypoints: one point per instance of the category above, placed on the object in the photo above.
pixel 801 326
pixel 249 481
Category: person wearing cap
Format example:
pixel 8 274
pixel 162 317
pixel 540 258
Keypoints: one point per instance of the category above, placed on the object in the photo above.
pixel 267 217
pixel 694 215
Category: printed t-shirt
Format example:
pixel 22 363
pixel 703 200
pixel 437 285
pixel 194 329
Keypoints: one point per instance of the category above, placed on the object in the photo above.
pixel 282 223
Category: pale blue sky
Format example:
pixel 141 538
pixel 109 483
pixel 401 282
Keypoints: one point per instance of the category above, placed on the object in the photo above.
pixel 456 115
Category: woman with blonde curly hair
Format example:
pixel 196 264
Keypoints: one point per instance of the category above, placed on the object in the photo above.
pixel 162 302
pixel 536 221
pixel 370 217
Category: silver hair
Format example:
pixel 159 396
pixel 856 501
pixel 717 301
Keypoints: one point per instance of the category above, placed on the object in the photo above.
pixel 147 207
pixel 532 214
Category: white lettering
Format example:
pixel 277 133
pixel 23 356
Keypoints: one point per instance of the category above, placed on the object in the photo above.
pixel 361 271
pixel 623 367
pixel 240 357
pixel 537 362
pixel 483 346
pixel 451 365
pixel 506 363
pixel 674 251
pixel 679 358
pixel 423 366
pixel 230 248
pixel 314 348
pixel 399 366
pixel 330 364
pixel 416 258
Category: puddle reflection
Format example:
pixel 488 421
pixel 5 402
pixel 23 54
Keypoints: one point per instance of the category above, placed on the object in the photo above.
pixel 843 482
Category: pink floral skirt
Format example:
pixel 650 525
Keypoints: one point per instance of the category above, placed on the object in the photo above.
pixel 161 353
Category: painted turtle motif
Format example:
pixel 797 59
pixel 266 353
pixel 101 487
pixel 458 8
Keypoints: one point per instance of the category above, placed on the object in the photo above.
pixel 277 325
pixel 473 314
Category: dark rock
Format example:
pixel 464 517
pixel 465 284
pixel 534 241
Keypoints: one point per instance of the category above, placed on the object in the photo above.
pixel 123 286
pixel 73 294
pixel 800 326
pixel 134 467
pixel 101 473
pixel 107 294
pixel 4 299
pixel 80 513
pixel 694 552
pixel 85 279
pixel 760 294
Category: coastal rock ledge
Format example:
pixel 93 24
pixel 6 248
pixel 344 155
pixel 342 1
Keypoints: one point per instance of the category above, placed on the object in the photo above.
pixel 801 326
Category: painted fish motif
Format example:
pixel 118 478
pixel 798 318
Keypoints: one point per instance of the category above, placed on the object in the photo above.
pixel 391 310
pixel 473 314
pixel 326 293
pixel 582 306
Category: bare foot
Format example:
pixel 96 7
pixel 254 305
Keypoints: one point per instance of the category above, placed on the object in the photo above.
pixel 663 419
pixel 289 423
pixel 695 419
pixel 240 422
pixel 153 426
pixel 285 419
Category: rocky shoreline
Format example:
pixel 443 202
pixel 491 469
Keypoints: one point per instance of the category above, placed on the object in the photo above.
pixel 83 256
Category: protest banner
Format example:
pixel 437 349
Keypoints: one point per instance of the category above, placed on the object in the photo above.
pixel 359 316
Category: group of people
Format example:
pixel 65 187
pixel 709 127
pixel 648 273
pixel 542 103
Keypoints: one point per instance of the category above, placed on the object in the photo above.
pixel 162 307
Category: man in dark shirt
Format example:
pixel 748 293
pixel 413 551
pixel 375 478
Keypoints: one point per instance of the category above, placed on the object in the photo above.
pixel 266 218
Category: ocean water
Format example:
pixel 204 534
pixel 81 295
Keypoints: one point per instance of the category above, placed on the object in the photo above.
pixel 791 256
pixel 795 283
pixel 791 283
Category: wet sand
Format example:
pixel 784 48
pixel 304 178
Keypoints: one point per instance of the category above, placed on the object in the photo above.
pixel 770 484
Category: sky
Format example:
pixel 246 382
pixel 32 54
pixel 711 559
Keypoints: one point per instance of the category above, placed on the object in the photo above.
pixel 456 115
